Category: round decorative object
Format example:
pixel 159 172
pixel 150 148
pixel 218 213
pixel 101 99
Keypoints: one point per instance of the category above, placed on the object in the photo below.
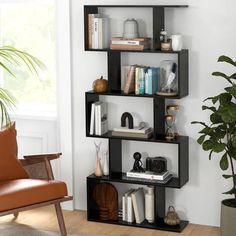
pixel 159 164
pixel 100 85
pixel 130 29
pixel 172 217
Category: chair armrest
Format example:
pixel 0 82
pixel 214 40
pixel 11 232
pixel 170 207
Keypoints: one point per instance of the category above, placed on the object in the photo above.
pixel 39 166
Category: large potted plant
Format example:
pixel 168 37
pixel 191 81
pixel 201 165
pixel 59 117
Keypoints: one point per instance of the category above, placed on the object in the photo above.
pixel 10 56
pixel 219 137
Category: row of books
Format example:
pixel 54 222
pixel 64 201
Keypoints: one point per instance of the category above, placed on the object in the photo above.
pixel 98 32
pixel 133 206
pixel 140 79
pixel 120 43
pixel 98 119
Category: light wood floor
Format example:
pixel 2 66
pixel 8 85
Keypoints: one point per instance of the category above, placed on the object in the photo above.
pixel 45 218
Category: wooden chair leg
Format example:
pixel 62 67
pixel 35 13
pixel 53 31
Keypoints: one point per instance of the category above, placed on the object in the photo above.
pixel 60 219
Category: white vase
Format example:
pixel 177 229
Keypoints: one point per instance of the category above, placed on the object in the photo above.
pixel 106 165
pixel 149 204
pixel 176 42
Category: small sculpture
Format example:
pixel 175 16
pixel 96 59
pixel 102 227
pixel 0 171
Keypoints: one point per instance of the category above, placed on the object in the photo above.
pixel 98 168
pixel 171 217
pixel 137 167
pixel 128 116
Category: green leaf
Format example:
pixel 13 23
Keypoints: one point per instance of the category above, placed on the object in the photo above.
pixel 224 164
pixel 220 74
pixel 227 60
pixel 231 191
pixel 209 108
pixel 207 145
pixel 229 176
pixel 213 99
pixel 225 98
pixel 233 76
pixel 201 139
pixel 218 147
pixel 231 90
pixel 216 118
pixel 198 122
pixel 234 142
pixel 210 154
pixel 206 131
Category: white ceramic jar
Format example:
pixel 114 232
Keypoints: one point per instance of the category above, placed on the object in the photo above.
pixel 177 42
pixel 149 204
pixel 130 29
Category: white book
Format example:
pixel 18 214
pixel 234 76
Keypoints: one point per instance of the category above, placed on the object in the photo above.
pixel 125 204
pixel 97 104
pixel 148 175
pixel 101 118
pixel 138 205
pixel 92 120
pixel 130 209
pixel 95 33
pixel 123 209
pixel 135 130
pixel 125 42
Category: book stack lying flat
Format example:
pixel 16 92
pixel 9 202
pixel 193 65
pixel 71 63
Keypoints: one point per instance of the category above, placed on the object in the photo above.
pixel 136 132
pixel 163 177
pixel 120 43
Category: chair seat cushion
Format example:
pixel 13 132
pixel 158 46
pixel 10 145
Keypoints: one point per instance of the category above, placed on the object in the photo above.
pixel 10 167
pixel 25 192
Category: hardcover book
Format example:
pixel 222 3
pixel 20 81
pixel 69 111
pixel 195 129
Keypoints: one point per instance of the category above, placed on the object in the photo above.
pixel 130 84
pixel 139 205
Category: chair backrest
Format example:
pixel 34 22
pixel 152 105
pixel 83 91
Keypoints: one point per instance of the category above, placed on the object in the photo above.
pixel 10 167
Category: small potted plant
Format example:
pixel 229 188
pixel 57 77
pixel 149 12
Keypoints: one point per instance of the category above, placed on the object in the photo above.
pixel 219 136
pixel 165 41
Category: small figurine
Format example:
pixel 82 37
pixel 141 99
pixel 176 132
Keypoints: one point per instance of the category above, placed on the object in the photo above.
pixel 137 163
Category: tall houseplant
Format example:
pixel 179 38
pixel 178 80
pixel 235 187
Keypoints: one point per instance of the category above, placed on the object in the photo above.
pixel 10 56
pixel 219 136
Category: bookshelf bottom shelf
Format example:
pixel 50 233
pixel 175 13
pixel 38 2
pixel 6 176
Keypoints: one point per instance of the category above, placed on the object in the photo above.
pixel 160 225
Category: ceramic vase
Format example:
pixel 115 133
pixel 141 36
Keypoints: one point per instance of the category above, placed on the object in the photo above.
pixel 149 204
pixel 176 42
pixel 98 169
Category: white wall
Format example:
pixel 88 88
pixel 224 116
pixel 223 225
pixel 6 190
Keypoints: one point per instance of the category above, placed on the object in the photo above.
pixel 209 30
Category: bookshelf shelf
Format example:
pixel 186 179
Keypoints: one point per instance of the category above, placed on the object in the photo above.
pixel 159 110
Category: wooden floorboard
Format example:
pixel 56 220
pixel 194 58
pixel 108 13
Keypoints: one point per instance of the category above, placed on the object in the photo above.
pixel 45 218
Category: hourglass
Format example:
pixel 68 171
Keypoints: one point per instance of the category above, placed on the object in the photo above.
pixel 170 120
pixel 172 110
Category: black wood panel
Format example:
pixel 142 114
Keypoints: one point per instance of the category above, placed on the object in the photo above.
pixel 183 156
pixel 160 203
pixel 159 116
pixel 114 71
pixel 115 157
pixel 183 73
pixel 158 25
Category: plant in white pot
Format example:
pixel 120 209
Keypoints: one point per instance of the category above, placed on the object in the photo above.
pixel 219 136
pixel 10 56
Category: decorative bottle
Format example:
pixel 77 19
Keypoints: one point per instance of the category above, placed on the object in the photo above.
pixel 106 165
pixel 149 204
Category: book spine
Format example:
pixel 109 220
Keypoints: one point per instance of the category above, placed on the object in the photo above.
pixel 95 33
pixel 130 217
pixel 137 81
pixel 128 47
pixel 135 206
pixel 142 81
pixel 155 79
pixel 146 176
pixel 150 84
pixel 123 209
pixel 90 30
pixel 146 83
pixel 96 119
pixel 125 42
pixel 129 86
pixel 100 33
pixel 92 119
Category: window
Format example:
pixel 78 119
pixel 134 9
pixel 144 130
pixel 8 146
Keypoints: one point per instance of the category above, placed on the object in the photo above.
pixel 30 26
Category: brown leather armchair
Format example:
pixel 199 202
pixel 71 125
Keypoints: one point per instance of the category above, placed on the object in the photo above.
pixel 28 183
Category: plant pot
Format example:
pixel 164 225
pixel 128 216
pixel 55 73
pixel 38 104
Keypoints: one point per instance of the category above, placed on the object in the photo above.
pixel 228 217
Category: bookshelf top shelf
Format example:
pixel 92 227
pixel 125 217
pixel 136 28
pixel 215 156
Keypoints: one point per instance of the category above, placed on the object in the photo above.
pixel 141 6
pixel 137 51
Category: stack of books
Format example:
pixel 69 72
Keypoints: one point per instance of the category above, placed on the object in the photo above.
pixel 140 79
pixel 98 33
pixel 163 177
pixel 120 43
pixel 98 119
pixel 133 205
pixel 136 132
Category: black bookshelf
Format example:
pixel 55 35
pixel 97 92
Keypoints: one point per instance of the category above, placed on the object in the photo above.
pixel 159 105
